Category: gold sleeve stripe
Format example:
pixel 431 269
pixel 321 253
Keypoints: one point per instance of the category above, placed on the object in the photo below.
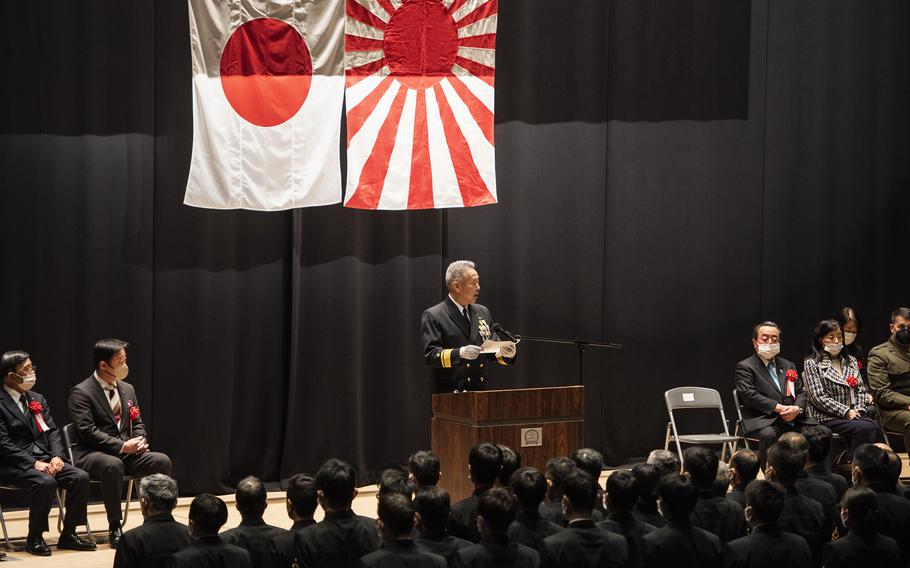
pixel 501 360
pixel 446 358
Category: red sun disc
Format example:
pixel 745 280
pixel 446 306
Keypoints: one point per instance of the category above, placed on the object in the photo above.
pixel 421 43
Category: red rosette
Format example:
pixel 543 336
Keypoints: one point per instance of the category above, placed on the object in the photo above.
pixel 852 382
pixel 859 365
pixel 134 411
pixel 792 375
pixel 35 407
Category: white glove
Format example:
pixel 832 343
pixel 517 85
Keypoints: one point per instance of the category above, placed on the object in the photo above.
pixel 469 352
pixel 508 350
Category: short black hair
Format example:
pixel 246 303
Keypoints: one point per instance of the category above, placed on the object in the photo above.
pixel 434 504
pixel 766 323
pixel 648 476
pixel 786 463
pixel 337 480
pixel 746 464
pixel 816 351
pixel 395 480
pixel 862 505
pixel 424 466
pixel 589 461
pixel 872 461
pixel 818 438
pixel 529 487
pixel 208 513
pixel 846 314
pixel 579 488
pixel 485 460
pixel 701 463
pixel 622 490
pixel 396 511
pixel 677 496
pixel 766 499
pixel 557 469
pixel 903 313
pixel 302 495
pixel 894 470
pixel 511 461
pixel 11 360
pixel 251 497
pixel 498 507
pixel 106 348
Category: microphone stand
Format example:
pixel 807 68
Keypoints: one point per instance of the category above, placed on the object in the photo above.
pixel 580 344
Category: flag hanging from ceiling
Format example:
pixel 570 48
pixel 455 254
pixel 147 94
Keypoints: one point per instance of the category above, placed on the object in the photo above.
pixel 419 99
pixel 268 87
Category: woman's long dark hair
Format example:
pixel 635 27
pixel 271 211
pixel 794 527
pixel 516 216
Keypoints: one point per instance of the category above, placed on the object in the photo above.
pixel 846 314
pixel 817 349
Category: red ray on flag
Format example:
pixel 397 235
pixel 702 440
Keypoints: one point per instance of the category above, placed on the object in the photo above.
pixel 419 85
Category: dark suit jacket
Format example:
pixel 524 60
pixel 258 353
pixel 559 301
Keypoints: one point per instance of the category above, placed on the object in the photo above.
pixel 93 419
pixel 653 518
pixel 894 519
pixel 681 545
pixel 719 515
pixel 253 535
pixel 337 542
pixel 633 531
pixel 821 492
pixel 837 482
pixel 529 529
pixel 210 552
pixel 463 517
pixel 768 546
pixel 805 517
pixel 21 445
pixel 402 554
pixel 496 552
pixel 281 547
pixel 444 545
pixel 738 494
pixel 444 330
pixel 759 394
pixel 855 550
pixel 583 544
pixel 552 511
pixel 152 544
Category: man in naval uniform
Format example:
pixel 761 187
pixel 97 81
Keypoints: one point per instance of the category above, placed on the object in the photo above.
pixel 453 331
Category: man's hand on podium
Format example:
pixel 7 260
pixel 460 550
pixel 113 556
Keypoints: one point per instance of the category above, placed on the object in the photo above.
pixel 469 352
pixel 509 350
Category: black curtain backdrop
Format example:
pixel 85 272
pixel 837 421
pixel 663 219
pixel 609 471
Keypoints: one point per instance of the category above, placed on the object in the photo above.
pixel 669 174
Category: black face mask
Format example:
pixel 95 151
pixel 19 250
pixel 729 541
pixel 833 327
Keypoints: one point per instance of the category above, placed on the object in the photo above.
pixel 902 336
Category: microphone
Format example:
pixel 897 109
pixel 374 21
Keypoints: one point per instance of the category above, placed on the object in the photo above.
pixel 511 337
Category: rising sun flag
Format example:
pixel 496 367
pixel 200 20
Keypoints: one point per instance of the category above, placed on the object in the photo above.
pixel 419 97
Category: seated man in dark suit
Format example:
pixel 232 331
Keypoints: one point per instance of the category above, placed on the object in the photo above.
pixel 743 468
pixel 871 469
pixel 32 457
pixel 433 506
pixel 622 494
pixel 770 390
pixel 484 463
pixel 112 436
pixel 863 545
pixel 679 544
pixel 582 543
pixel 818 439
pixel 342 537
pixel 396 521
pixel 647 475
pixel 511 462
pixel 530 487
pixel 423 468
pixel 591 462
pixel 301 504
pixel 207 515
pixel 495 512
pixel 767 545
pixel 817 489
pixel 160 536
pixel 719 515
pixel 253 534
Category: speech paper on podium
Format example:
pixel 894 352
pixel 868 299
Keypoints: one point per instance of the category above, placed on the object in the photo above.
pixel 490 346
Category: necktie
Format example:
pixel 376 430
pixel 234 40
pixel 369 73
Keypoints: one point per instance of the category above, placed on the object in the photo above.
pixel 772 370
pixel 467 316
pixel 23 402
pixel 115 403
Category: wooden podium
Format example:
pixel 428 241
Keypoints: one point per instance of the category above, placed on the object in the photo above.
pixel 537 423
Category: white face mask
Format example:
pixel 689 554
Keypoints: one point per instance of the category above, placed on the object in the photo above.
pixel 27 382
pixel 849 338
pixel 833 349
pixel 768 351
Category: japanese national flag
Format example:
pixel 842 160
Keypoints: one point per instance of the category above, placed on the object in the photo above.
pixel 268 86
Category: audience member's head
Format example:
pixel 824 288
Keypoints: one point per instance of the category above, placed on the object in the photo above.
pixel 157 495
pixel 818 443
pixel 744 467
pixel 647 476
pixel 579 494
pixel 396 516
pixel 871 467
pixel 423 467
pixel 764 502
pixel 529 487
pixel 797 444
pixel 557 469
pixel 850 323
pixel 250 498
pixel 665 461
pixel 511 461
pixel 701 464
pixel 721 480
pixel 207 515
pixel 622 491
pixel 589 461
pixel 485 461
pixel 395 480
pixel 894 470
pixel 495 511
pixel 783 464
pixel 859 509
pixel 336 485
pixel 433 505
pixel 301 497
pixel 677 497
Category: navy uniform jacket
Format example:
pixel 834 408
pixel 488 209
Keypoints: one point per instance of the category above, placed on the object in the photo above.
pixel 583 544
pixel 681 545
pixel 337 542
pixel 282 548
pixel 633 530
pixel 496 551
pixel 529 529
pixel 443 544
pixel 719 515
pixel 444 331
pixel 768 546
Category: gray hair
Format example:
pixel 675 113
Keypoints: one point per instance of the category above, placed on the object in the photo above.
pixel 456 270
pixel 665 461
pixel 159 491
pixel 722 480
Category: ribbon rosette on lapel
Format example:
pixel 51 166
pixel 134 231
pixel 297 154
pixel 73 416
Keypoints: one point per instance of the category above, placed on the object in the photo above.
pixel 36 409
pixel 852 382
pixel 792 375
pixel 859 364
pixel 134 411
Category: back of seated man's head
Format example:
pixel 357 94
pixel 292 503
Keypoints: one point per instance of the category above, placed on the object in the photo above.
pixel 485 460
pixel 207 515
pixel 785 464
pixel 579 493
pixel 511 461
pixel 648 476
pixel 701 464
pixel 894 470
pixel 589 461
pixel 665 461
pixel 622 491
pixel 157 494
pixel 395 480
pixel 529 487
pixel 396 516
pixel 557 469
pixel 859 509
pixel 818 443
pixel 744 466
pixel 250 498
pixel 301 497
pixel 677 497
pixel 721 480
pixel 336 484
pixel 871 467
pixel 796 443
pixel 764 502
pixel 496 510
pixel 433 504
pixel 424 468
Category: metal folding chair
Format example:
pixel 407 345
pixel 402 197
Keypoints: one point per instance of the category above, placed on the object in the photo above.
pixel 689 398
pixel 7 541
pixel 740 430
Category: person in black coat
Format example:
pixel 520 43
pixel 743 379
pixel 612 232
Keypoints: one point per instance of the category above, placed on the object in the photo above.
pixel 819 446
pixel 551 509
pixel 871 469
pixel 207 515
pixel 767 545
pixel 152 544
pixel 863 545
pixel 32 457
pixel 433 507
pixel 807 486
pixel 719 515
pixel 743 469
pixel 301 504
pixel 895 466
pixel 396 522
pixel 621 496
pixel 530 487
pixel 680 544
pixel 253 534
pixel 423 468
pixel 484 463
pixel 495 512
pixel 511 462
pixel 591 462
pixel 647 475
